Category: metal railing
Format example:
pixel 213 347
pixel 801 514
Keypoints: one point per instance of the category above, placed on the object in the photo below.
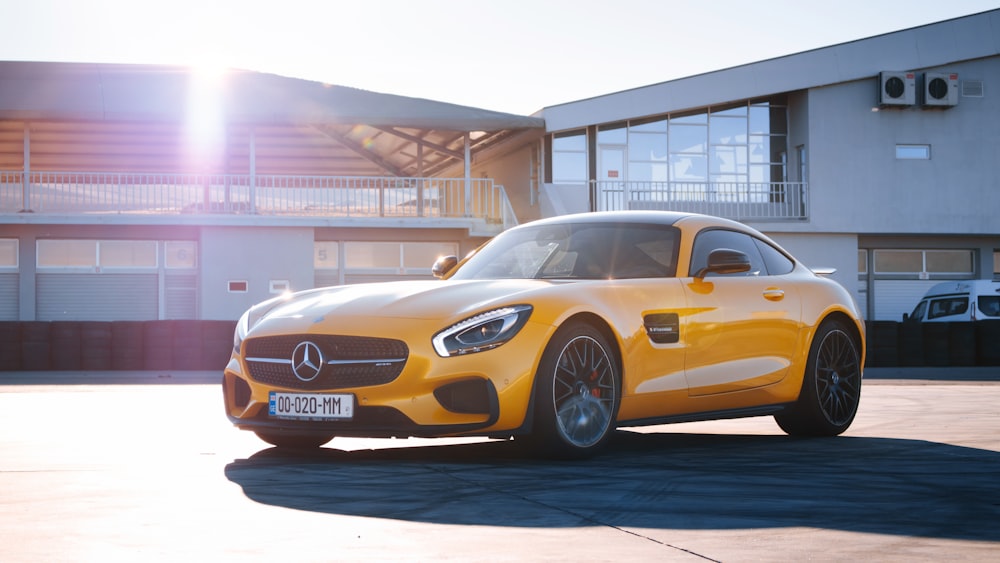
pixel 733 200
pixel 305 196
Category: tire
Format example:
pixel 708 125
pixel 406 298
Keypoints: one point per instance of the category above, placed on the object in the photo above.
pixel 831 386
pixel 577 394
pixel 293 441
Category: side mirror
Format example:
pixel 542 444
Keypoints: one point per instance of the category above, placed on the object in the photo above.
pixel 443 265
pixel 725 261
pixel 906 317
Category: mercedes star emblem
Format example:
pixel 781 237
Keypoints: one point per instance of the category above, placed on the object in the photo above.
pixel 307 361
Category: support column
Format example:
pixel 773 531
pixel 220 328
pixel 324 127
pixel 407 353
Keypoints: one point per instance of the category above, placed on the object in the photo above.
pixel 26 178
pixel 253 171
pixel 468 175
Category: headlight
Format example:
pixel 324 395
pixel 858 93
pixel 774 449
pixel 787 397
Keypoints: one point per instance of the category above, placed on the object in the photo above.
pixel 242 326
pixel 482 332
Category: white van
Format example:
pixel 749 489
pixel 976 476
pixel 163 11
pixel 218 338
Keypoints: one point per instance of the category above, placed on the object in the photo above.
pixel 972 300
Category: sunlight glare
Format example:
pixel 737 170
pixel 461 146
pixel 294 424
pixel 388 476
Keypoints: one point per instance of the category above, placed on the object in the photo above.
pixel 205 119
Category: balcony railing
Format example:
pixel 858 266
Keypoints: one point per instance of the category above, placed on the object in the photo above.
pixel 302 196
pixel 733 200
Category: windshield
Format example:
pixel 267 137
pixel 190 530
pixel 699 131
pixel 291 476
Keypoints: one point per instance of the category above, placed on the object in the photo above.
pixel 577 251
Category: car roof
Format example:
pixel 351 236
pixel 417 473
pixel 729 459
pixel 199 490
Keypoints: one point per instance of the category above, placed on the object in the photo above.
pixel 962 287
pixel 655 217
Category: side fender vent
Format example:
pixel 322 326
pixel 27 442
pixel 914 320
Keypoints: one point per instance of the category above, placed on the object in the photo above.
pixel 662 328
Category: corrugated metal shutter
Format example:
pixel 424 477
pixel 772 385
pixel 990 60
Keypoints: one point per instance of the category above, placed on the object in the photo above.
pixel 97 297
pixel 894 297
pixel 10 297
pixel 862 295
pixel 180 296
pixel 326 278
pixel 370 278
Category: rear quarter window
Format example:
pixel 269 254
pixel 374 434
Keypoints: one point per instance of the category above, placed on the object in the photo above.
pixel 990 305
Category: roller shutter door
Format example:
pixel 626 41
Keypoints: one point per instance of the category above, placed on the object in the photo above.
pixel 894 297
pixel 10 298
pixel 180 296
pixel 103 297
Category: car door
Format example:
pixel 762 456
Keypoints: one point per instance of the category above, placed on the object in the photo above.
pixel 744 327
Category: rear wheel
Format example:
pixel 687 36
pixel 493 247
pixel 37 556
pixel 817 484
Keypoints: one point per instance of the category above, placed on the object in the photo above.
pixel 831 387
pixel 577 392
pixel 291 440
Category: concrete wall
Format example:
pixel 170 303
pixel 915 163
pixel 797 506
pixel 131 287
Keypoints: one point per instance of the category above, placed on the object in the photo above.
pixel 857 184
pixel 518 172
pixel 838 251
pixel 254 255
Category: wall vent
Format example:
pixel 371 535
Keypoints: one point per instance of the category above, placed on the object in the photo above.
pixel 972 88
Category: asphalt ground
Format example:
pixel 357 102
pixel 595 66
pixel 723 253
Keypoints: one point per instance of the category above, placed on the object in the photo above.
pixel 109 466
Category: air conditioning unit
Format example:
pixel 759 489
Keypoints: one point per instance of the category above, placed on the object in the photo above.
pixel 940 89
pixel 897 88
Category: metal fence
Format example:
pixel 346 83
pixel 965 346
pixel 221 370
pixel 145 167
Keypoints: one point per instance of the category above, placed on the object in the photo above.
pixel 307 196
pixel 734 200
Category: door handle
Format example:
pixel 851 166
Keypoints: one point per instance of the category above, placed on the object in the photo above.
pixel 774 294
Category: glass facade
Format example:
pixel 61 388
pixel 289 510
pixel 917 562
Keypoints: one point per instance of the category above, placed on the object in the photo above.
pixel 722 153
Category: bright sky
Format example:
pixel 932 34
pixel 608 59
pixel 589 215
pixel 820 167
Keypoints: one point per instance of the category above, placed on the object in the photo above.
pixel 516 56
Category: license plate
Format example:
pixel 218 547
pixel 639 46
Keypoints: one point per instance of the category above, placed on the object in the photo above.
pixel 311 406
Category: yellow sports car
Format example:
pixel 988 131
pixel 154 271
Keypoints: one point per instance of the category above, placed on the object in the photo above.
pixel 557 332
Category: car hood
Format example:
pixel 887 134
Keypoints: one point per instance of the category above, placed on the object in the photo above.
pixel 423 300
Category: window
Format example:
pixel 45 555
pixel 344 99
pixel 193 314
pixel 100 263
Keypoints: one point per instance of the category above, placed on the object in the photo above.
pixel 913 152
pixel 127 254
pixel 326 255
pixel 396 256
pixel 569 158
pixel 947 307
pixel 96 255
pixel 996 264
pixel 422 255
pixel 180 254
pixel 777 263
pixel 924 262
pixel 713 239
pixel 899 261
pixel 918 311
pixel 8 253
pixel 989 305
pixel 647 151
pixel 948 261
pixel 66 253
pixel 582 251
pixel 862 261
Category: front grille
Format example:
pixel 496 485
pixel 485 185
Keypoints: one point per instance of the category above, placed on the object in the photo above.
pixel 347 361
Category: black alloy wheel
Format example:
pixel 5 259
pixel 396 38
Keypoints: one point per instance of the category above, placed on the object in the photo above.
pixel 831 386
pixel 577 393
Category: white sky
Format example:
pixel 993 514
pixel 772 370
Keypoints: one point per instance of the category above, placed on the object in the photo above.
pixel 516 56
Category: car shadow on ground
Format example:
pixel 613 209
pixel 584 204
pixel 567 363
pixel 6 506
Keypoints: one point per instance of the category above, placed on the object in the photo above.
pixel 650 480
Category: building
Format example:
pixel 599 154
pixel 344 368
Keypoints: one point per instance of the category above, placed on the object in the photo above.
pixel 124 196
pixel 138 193
pixel 877 157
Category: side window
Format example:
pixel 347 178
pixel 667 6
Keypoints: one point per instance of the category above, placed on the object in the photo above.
pixel 777 263
pixel 990 305
pixel 918 311
pixel 713 239
pixel 947 307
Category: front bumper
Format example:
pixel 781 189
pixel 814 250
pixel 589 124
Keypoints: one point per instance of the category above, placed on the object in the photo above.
pixel 481 394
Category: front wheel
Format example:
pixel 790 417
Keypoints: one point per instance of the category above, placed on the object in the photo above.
pixel 293 441
pixel 577 393
pixel 831 386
